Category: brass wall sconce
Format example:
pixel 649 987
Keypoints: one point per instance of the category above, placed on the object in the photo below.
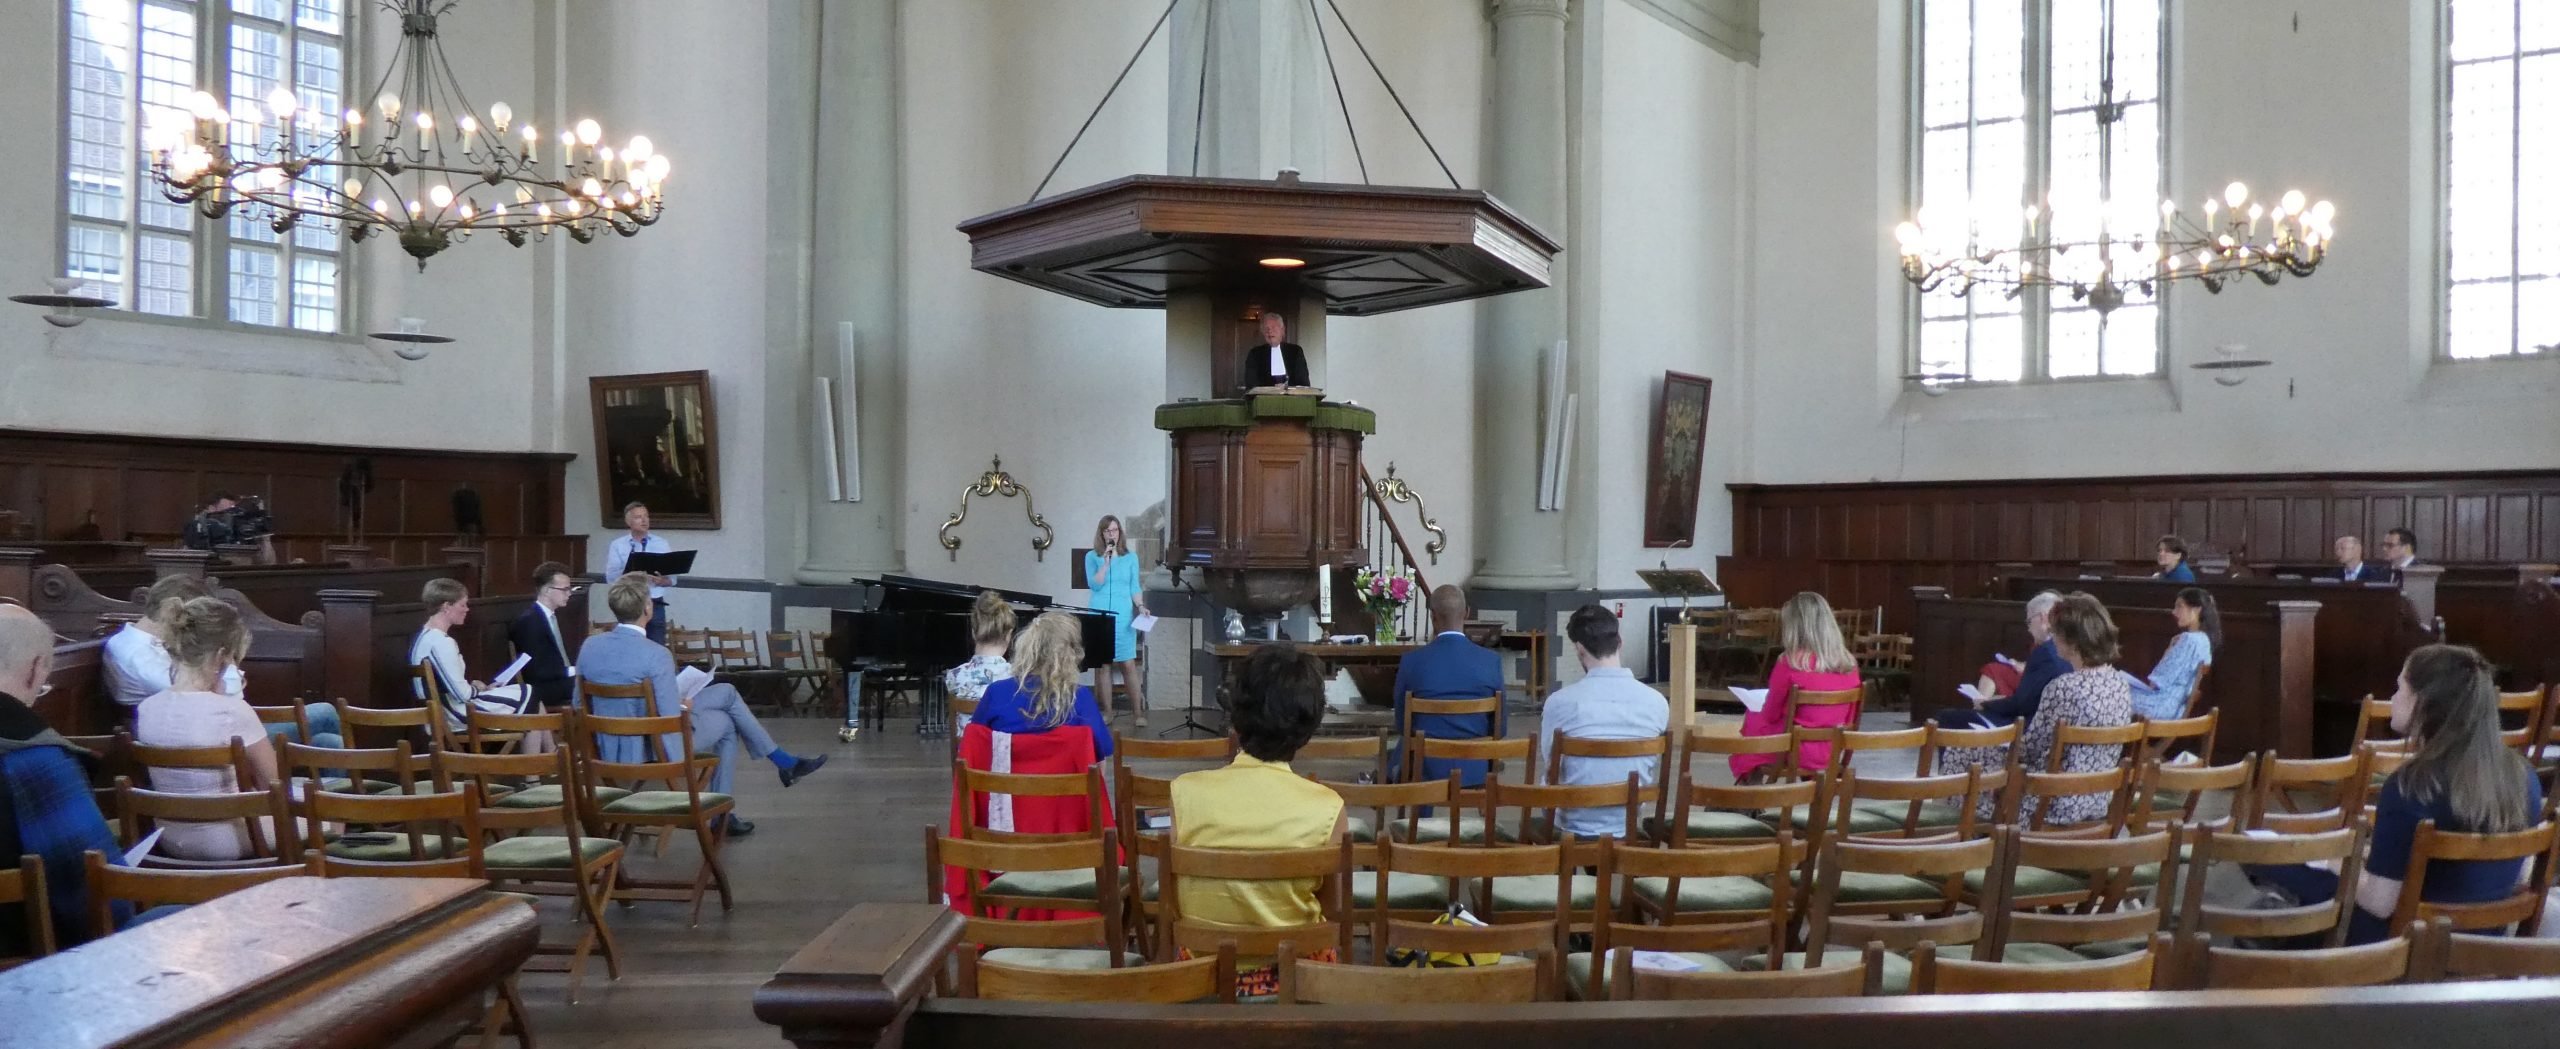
pixel 997 482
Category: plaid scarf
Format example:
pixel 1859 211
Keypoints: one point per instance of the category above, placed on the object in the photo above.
pixel 50 814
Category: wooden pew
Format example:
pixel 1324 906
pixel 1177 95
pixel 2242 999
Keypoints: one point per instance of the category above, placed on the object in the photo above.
pixel 356 963
pixel 286 660
pixel 2514 621
pixel 391 625
pixel 506 561
pixel 869 981
pixel 2261 678
pixel 79 704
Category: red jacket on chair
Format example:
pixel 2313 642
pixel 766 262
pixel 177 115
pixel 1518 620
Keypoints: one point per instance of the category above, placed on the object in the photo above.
pixel 1067 750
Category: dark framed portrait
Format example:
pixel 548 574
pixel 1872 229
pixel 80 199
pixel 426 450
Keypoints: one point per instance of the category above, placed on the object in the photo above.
pixel 657 443
pixel 1673 463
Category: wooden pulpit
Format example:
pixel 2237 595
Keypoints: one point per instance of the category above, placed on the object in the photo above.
pixel 1266 492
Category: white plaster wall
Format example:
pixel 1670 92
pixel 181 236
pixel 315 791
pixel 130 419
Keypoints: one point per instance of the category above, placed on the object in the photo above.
pixel 688 292
pixel 1062 390
pixel 2342 107
pixel 119 374
pixel 1661 237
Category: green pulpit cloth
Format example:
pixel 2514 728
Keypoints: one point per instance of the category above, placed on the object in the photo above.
pixel 1242 413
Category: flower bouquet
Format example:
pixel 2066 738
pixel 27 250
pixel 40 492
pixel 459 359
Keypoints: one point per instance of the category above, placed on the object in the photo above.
pixel 1385 592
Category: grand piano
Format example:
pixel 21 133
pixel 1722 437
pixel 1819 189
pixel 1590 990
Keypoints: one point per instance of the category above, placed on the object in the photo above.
pixel 917 628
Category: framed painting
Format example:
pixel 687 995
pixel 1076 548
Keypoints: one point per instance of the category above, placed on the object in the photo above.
pixel 1672 464
pixel 657 443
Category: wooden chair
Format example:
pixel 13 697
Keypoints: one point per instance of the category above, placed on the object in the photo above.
pixel 1744 814
pixel 1898 894
pixel 1714 741
pixel 1656 749
pixel 2471 956
pixel 1139 748
pixel 2373 712
pixel 367 770
pixel 2195 692
pixel 1392 812
pixel 2040 791
pixel 1337 983
pixel 2194 734
pixel 690 647
pixel 24 886
pixel 231 757
pixel 1855 979
pixel 2343 847
pixel 2526 708
pixel 680 804
pixel 1752 636
pixel 1490 707
pixel 1943 739
pixel 264 817
pixel 441 712
pixel 115 758
pixel 2334 787
pixel 2521 908
pixel 587 865
pixel 1932 973
pixel 1541 940
pixel 600 626
pixel 1540 808
pixel 2173 793
pixel 416 726
pixel 1146 821
pixel 1370 751
pixel 2236 968
pixel 1016 889
pixel 1930 808
pixel 733 649
pixel 1803 699
pixel 289 715
pixel 2125 738
pixel 145 887
pixel 1696 902
pixel 1088 940
pixel 2072 899
pixel 799 669
pixel 1461 826
pixel 739 664
pixel 439 835
pixel 1210 979
pixel 1884 666
pixel 1329 866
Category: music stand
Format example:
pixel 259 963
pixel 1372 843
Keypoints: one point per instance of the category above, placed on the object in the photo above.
pixel 1191 704
pixel 1682 583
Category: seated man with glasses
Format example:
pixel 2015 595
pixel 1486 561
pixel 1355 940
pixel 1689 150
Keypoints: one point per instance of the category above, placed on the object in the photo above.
pixel 536 636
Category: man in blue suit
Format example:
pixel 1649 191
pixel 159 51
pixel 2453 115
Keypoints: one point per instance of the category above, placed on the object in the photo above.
pixel 721 722
pixel 1450 667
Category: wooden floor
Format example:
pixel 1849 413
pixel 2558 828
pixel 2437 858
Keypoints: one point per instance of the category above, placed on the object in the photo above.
pixel 851 833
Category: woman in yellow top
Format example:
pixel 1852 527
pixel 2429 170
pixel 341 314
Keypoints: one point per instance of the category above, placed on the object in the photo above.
pixel 1257 802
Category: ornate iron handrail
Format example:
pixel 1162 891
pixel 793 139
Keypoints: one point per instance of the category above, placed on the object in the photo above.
pixel 997 482
pixel 1395 489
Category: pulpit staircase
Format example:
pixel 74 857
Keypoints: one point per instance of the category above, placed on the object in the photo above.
pixel 1388 551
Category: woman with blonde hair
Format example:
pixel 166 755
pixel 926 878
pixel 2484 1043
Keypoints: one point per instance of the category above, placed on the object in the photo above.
pixel 1111 572
pixel 991 629
pixel 1812 657
pixel 206 639
pixel 1043 694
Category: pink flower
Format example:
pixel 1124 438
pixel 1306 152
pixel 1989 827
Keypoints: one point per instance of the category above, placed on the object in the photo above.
pixel 1402 589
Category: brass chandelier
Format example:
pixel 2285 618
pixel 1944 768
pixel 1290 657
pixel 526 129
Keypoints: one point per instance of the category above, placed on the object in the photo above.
pixel 2106 252
pixel 424 167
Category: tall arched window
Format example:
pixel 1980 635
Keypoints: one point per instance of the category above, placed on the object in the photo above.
pixel 131 63
pixel 2502 133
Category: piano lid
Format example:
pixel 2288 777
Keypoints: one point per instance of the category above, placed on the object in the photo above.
pixel 902 592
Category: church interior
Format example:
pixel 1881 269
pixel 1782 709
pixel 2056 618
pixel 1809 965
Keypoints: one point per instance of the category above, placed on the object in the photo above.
pixel 639 524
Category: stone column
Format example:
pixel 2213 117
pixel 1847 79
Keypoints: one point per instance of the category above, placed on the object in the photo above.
pixel 1524 167
pixel 851 328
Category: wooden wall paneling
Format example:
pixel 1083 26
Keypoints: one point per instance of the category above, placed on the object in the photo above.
pixel 2430 517
pixel 2511 531
pixel 2546 533
pixel 2306 532
pixel 2467 530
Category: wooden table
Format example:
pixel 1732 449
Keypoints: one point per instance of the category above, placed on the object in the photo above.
pixel 343 962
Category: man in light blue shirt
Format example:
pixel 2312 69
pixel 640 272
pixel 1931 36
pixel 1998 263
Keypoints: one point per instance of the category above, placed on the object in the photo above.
pixel 1608 703
pixel 635 516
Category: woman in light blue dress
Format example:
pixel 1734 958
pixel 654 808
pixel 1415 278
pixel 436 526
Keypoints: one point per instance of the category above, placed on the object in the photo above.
pixel 1111 572
pixel 2164 695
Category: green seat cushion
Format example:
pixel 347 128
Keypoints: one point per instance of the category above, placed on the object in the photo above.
pixel 2036 881
pixel 1577 971
pixel 1720 824
pixel 1863 887
pixel 1894 977
pixel 1358 829
pixel 1726 893
pixel 1432 830
pixel 2020 954
pixel 661 802
pixel 545 852
pixel 338 785
pixel 546 795
pixel 1933 814
pixel 393 851
pixel 2107 949
pixel 1405 892
pixel 1044 885
pixel 1537 892
pixel 1078 959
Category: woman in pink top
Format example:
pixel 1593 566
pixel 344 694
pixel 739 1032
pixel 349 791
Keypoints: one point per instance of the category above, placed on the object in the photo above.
pixel 206 638
pixel 1812 658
